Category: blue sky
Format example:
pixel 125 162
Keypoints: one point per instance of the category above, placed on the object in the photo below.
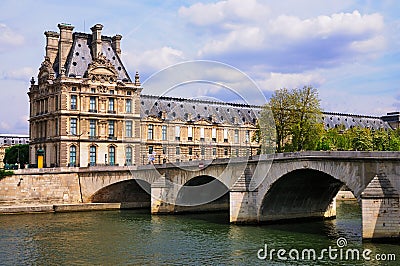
pixel 348 49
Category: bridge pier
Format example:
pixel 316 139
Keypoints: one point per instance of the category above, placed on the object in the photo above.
pixel 162 194
pixel 243 202
pixel 331 210
pixel 380 210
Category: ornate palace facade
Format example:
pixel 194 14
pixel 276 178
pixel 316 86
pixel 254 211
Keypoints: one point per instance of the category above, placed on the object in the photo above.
pixel 85 110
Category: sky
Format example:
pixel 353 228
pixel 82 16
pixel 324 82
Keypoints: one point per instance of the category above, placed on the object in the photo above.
pixel 348 49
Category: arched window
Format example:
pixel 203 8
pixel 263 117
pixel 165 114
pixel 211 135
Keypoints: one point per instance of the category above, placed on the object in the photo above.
pixel 92 155
pixel 128 156
pixel 111 155
pixel 72 155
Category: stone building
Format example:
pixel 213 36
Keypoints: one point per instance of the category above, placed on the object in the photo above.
pixel 85 110
pixel 84 102
pixel 8 140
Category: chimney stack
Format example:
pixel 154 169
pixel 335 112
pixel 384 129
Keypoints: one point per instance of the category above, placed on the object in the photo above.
pixel 51 45
pixel 64 45
pixel 116 44
pixel 96 40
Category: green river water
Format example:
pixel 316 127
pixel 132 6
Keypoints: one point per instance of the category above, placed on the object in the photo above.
pixel 132 237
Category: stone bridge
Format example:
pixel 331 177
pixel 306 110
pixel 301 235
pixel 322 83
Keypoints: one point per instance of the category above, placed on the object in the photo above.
pixel 262 188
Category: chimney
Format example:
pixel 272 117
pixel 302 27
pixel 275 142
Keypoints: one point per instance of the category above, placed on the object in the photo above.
pixel 116 44
pixel 96 40
pixel 137 79
pixel 51 45
pixel 64 45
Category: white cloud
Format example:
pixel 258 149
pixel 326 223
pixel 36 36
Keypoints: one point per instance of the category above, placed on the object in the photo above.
pixel 24 74
pixel 289 40
pixel 276 81
pixel 8 37
pixel 4 126
pixel 154 60
pixel 223 11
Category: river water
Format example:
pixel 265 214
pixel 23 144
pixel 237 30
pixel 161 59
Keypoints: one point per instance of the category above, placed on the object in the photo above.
pixel 132 237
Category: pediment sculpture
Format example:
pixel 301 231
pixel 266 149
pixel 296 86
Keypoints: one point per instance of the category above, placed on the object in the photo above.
pixel 102 70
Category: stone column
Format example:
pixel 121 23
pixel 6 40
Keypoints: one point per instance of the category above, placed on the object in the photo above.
pixel 162 196
pixel 243 202
pixel 331 210
pixel 380 210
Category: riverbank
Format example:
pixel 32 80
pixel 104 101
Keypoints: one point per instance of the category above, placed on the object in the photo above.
pixel 46 208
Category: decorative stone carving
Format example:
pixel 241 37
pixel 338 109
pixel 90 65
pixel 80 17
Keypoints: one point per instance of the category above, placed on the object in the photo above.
pixel 46 71
pixel 102 70
pixel 102 89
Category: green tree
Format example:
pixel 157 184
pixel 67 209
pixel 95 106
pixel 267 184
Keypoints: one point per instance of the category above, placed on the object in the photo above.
pixel 380 140
pixel 361 139
pixel 306 112
pixel 394 140
pixel 297 115
pixel 281 104
pixel 17 154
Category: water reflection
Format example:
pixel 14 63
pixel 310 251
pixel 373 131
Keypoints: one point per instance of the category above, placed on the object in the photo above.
pixel 136 237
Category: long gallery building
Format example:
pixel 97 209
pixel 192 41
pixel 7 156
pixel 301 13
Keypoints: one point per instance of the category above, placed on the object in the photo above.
pixel 85 110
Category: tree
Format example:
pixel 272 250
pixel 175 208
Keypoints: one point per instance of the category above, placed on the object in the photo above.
pixel 280 105
pixel 297 118
pixel 306 126
pixel 361 139
pixel 17 154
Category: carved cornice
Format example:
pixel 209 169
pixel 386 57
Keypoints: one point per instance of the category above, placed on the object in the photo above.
pixel 46 71
pixel 102 70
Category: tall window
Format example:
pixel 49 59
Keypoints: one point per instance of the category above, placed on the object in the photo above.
pixel 128 156
pixel 92 128
pixel 110 129
pixel 73 102
pixel 236 135
pixel 56 102
pixel 177 133
pixel 128 129
pixel 72 155
pixel 111 105
pixel 247 136
pixel 203 151
pixel 164 132
pixel 214 151
pixel 214 134
pixel 202 133
pixel 225 135
pixel 92 158
pixel 128 106
pixel 190 151
pixel 226 151
pixel 73 126
pixel 190 133
pixel 150 131
pixel 92 105
pixel 111 155
pixel 178 151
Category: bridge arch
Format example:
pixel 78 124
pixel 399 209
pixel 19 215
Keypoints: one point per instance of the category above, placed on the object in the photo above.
pixel 301 193
pixel 132 192
pixel 202 193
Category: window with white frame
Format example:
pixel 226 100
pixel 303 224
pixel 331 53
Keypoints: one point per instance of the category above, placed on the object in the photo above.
pixel 177 133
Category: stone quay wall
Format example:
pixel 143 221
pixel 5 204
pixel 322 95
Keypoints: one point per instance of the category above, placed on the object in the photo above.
pixel 40 187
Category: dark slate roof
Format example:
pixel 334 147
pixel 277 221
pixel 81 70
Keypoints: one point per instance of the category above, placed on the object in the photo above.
pixel 179 108
pixel 184 109
pixel 332 120
pixel 380 187
pixel 80 56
